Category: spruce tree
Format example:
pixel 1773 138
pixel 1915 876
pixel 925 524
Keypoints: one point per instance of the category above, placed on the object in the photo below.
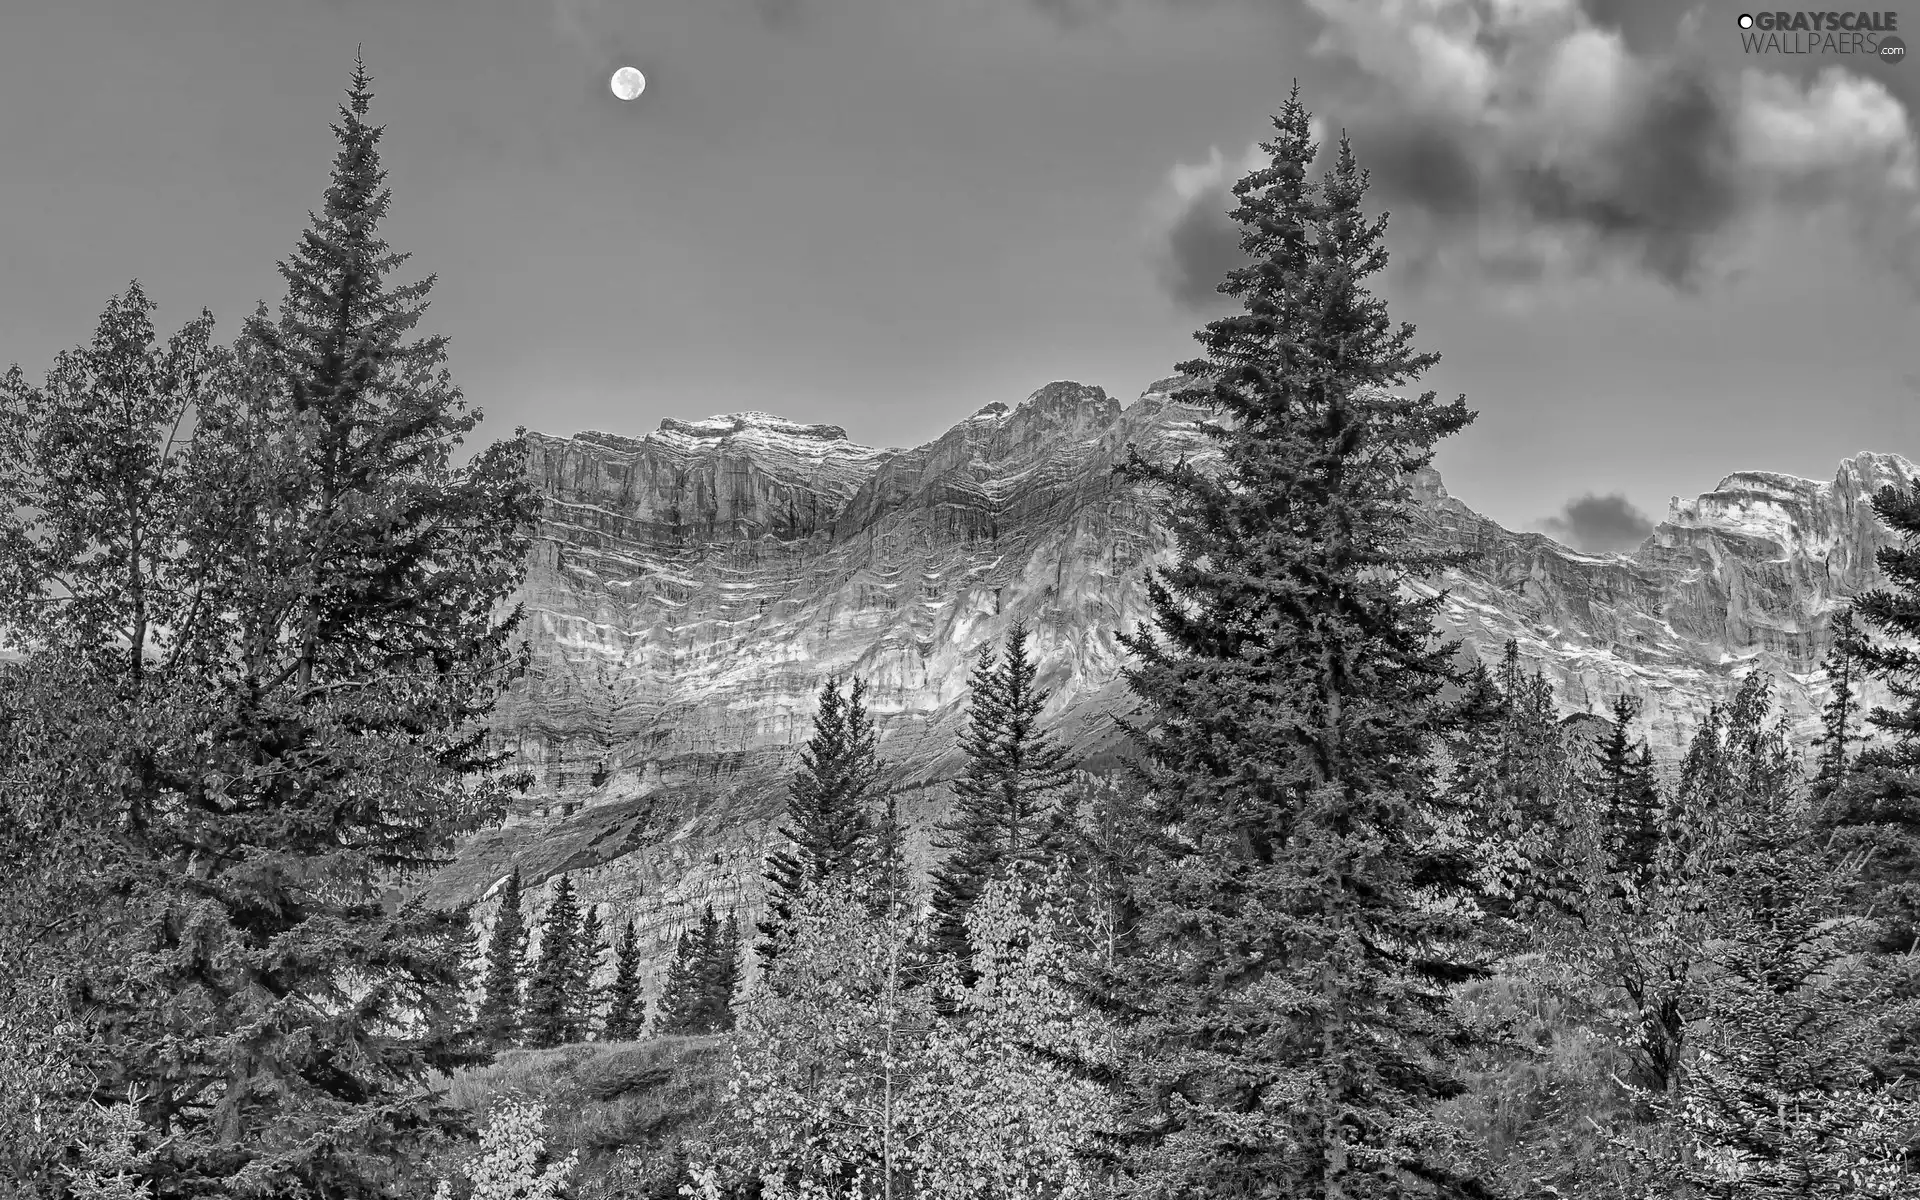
pixel 828 825
pixel 627 1008
pixel 1840 718
pixel 720 976
pixel 1293 1026
pixel 499 1016
pixel 1006 816
pixel 551 1017
pixel 889 883
pixel 698 997
pixel 303 598
pixel 588 956
pixel 1621 780
pixel 1788 1034
pixel 1507 788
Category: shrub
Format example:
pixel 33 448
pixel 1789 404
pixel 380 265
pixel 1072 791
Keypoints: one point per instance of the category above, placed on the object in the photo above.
pixel 508 1166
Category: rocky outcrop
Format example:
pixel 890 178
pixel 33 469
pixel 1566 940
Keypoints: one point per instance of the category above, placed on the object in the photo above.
pixel 690 590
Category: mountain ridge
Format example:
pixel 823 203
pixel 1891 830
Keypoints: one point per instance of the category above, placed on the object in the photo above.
pixel 689 590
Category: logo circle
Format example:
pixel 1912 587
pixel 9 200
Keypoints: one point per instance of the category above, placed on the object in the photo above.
pixel 1746 20
pixel 1892 49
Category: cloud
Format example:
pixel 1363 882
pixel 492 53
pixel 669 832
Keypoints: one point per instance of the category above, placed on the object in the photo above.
pixel 1599 524
pixel 1073 14
pixel 1198 242
pixel 1201 243
pixel 1527 141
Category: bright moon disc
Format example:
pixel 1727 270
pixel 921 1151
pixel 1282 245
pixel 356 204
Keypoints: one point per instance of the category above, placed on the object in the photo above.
pixel 628 83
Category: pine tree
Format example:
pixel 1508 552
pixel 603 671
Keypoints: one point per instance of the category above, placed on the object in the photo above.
pixel 1788 1028
pixel 827 825
pixel 551 1017
pixel 499 1016
pixel 303 599
pixel 698 997
pixel 587 958
pixel 1628 797
pixel 1507 788
pixel 1006 817
pixel 1293 1025
pixel 889 884
pixel 720 976
pixel 627 1010
pixel 1840 715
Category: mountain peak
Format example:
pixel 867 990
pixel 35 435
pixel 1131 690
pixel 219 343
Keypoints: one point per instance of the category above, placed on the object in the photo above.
pixel 725 425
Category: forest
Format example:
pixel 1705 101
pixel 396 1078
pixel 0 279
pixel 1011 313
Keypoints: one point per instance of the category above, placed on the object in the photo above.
pixel 1360 919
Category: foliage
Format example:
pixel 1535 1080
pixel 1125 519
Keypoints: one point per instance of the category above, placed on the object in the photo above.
pixel 1007 818
pixel 584 994
pixel 698 997
pixel 552 1018
pixel 499 1015
pixel 290 619
pixel 1781 1098
pixel 1013 1100
pixel 108 1169
pixel 628 1108
pixel 627 1008
pixel 68 893
pixel 1300 924
pixel 1627 796
pixel 823 1059
pixel 509 1165
pixel 1502 815
pixel 1544 1107
pixel 828 823
pixel 847 1083
pixel 1874 806
pixel 1840 717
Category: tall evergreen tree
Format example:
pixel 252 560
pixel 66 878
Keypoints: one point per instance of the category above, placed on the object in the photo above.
pixel 1006 803
pixel 888 883
pixel 698 997
pixel 499 1016
pixel 681 996
pixel 828 824
pixel 552 1017
pixel 1621 780
pixel 1293 1022
pixel 1840 717
pixel 588 956
pixel 1790 1028
pixel 1873 807
pixel 1507 788
pixel 627 1008
pixel 302 597
pixel 720 974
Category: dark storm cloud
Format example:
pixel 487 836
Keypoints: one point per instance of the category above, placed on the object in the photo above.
pixel 1521 143
pixel 1203 244
pixel 1599 524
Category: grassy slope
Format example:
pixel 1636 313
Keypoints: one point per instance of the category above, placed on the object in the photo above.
pixel 602 1096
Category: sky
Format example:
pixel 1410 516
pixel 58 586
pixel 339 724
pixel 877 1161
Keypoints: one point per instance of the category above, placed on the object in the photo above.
pixel 1648 257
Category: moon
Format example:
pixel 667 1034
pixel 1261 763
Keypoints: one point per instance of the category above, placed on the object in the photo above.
pixel 628 83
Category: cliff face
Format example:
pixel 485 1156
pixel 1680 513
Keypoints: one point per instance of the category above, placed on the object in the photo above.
pixel 690 590
pixel 1743 578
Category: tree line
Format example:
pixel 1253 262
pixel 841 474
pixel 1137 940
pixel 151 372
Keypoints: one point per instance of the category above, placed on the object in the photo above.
pixel 1355 921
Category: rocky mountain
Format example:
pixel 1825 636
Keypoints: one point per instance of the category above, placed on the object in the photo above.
pixel 690 590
